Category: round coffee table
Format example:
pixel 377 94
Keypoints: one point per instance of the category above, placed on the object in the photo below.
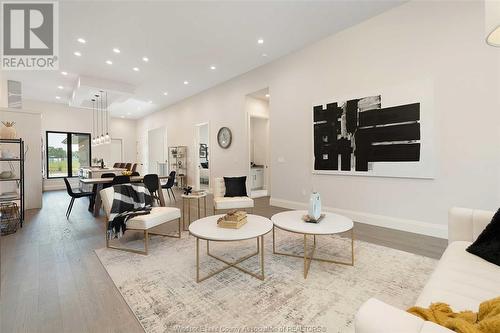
pixel 331 224
pixel 207 229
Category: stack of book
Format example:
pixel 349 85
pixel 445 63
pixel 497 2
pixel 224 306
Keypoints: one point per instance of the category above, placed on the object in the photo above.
pixel 233 219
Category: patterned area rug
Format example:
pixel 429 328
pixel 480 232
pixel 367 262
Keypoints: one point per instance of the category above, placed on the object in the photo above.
pixel 162 292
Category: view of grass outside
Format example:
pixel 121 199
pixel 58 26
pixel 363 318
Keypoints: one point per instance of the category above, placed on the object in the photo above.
pixel 57 154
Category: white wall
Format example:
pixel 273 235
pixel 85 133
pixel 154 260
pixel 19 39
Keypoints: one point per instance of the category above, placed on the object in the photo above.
pixel 437 42
pixel 61 117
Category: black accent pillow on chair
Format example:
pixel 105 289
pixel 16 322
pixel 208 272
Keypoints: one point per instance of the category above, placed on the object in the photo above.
pixel 235 186
pixel 487 245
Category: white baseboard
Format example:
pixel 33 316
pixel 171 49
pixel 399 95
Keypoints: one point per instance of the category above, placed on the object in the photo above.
pixel 418 227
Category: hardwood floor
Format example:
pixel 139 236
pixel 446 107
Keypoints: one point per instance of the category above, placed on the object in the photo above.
pixel 52 281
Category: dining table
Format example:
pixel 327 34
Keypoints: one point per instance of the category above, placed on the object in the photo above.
pixel 99 182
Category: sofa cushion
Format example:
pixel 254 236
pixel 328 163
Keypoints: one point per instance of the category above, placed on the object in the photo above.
pixel 235 186
pixel 461 280
pixel 157 216
pixel 233 202
pixel 487 245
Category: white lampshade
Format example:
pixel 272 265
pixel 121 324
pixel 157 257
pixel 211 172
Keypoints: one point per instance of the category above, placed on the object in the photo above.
pixel 492 22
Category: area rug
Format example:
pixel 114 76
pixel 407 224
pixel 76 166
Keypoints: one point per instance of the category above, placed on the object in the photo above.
pixel 162 292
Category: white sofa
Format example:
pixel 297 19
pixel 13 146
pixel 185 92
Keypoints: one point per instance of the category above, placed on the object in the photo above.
pixel 460 279
pixel 222 203
pixel 144 223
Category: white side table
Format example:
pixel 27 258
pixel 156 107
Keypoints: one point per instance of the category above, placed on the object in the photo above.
pixel 207 229
pixel 186 202
pixel 331 224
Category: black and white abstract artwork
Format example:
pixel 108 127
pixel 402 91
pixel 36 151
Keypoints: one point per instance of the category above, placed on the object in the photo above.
pixel 361 137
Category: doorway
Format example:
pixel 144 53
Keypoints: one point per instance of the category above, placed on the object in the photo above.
pixel 156 151
pixel 202 151
pixel 116 152
pixel 257 108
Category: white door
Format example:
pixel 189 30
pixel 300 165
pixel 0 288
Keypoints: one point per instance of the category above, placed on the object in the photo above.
pixel 156 149
pixel 116 152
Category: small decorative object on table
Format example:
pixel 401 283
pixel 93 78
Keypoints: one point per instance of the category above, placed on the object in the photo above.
pixel 315 206
pixel 234 219
pixel 127 173
pixel 8 131
pixel 310 219
pixel 187 190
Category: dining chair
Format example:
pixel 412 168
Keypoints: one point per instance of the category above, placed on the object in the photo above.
pixel 170 184
pixel 95 186
pixel 122 165
pixel 75 194
pixel 152 183
pixel 134 167
pixel 121 179
pixel 116 165
pixel 107 175
pixel 128 166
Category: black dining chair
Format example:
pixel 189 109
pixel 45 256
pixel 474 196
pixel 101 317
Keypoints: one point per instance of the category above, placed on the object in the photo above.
pixel 128 166
pixel 134 167
pixel 122 165
pixel 170 183
pixel 75 194
pixel 151 182
pixel 107 175
pixel 116 165
pixel 121 179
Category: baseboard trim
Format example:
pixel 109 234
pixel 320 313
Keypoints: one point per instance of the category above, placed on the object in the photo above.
pixel 414 226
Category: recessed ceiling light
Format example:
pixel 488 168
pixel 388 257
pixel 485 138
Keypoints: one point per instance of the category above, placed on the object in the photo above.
pixel 64 73
pixel 150 102
pixel 136 69
pixel 165 93
pixel 267 95
pixel 60 87
pixel 57 97
pixel 264 54
pixel 186 82
pixel 109 62
pixel 260 41
pixel 81 40
pixel 213 67
pixel 116 50
pixel 77 53
pixel 145 59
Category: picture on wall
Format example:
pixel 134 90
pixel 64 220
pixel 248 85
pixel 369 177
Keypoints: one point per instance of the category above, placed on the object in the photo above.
pixel 360 137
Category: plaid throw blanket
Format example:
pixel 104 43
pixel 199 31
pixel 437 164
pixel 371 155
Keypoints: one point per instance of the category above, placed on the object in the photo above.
pixel 129 200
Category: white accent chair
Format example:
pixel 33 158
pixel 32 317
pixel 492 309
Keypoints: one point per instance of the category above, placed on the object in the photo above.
pixel 157 216
pixel 460 279
pixel 224 203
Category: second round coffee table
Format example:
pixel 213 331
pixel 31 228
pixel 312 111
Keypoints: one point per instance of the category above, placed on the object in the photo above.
pixel 207 229
pixel 331 224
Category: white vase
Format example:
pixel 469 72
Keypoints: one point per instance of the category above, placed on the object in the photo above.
pixel 315 206
pixel 8 132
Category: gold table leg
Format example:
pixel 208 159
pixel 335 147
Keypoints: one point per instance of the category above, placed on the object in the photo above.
pixel 234 264
pixel 308 258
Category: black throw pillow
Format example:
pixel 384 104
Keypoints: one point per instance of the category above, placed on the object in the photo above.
pixel 487 245
pixel 235 186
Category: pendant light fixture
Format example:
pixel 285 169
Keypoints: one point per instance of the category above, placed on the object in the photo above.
pixel 107 138
pixel 100 119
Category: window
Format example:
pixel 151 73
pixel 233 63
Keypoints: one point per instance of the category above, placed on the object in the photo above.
pixel 66 153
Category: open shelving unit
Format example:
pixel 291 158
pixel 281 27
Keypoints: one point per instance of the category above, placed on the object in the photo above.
pixel 177 161
pixel 19 178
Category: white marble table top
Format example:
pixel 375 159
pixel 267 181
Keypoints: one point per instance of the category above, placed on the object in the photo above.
pixel 195 196
pixel 206 228
pixel 330 224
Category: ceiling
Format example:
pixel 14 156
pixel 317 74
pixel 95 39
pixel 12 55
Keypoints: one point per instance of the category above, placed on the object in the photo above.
pixel 182 40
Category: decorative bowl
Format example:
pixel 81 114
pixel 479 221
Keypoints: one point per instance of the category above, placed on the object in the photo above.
pixel 127 173
pixel 6 175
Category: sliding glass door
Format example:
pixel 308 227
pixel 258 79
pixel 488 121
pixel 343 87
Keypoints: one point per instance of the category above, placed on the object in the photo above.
pixel 66 153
